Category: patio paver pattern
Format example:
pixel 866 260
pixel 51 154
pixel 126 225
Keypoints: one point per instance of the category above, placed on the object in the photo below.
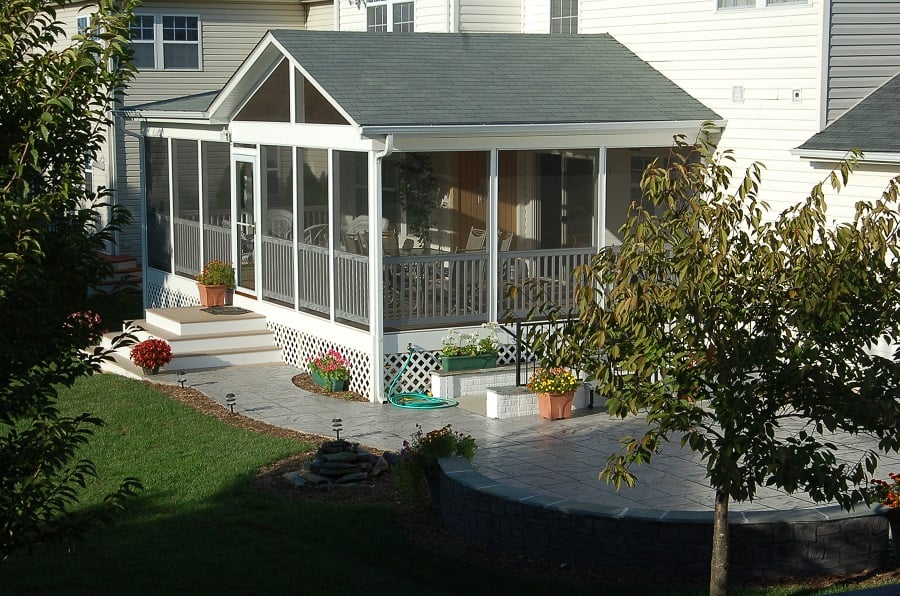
pixel 559 458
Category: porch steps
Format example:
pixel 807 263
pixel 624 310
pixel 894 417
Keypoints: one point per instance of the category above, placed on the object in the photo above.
pixel 126 273
pixel 200 340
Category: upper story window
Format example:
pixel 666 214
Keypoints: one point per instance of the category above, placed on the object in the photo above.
pixel 726 4
pixel 166 42
pixel 388 15
pixel 82 24
pixel 563 16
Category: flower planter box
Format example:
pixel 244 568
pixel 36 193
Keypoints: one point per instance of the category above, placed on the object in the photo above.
pixel 327 382
pixel 451 363
pixel 214 295
pixel 555 406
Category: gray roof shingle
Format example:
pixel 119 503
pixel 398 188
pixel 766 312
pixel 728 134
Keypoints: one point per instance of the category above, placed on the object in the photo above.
pixel 409 79
pixel 872 125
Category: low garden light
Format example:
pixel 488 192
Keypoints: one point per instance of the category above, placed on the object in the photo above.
pixel 230 400
pixel 337 425
pixel 182 379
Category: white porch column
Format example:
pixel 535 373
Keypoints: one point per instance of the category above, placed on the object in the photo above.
pixel 334 178
pixel 601 198
pixel 492 236
pixel 376 264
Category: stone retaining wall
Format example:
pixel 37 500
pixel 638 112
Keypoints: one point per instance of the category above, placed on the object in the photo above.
pixel 820 541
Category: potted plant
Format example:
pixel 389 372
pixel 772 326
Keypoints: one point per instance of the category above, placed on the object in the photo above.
pixel 469 351
pixel 887 492
pixel 151 354
pixel 216 283
pixel 419 459
pixel 555 389
pixel 330 371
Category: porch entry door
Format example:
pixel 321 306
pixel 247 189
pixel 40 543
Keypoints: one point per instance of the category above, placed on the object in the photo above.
pixel 245 214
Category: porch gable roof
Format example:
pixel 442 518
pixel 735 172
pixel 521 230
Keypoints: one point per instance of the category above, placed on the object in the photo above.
pixel 872 125
pixel 465 79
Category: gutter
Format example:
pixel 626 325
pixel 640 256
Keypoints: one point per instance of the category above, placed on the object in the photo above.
pixel 526 128
pixel 834 156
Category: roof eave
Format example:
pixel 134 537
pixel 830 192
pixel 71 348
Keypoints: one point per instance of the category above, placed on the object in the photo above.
pixel 533 128
pixel 834 156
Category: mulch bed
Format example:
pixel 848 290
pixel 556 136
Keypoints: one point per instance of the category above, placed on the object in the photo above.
pixel 420 524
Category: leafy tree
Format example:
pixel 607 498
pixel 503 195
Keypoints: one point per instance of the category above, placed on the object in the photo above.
pixel 420 193
pixel 55 95
pixel 746 335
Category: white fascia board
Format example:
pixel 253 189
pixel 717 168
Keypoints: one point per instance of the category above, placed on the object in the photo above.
pixel 573 128
pixel 834 156
pixel 315 83
pixel 191 134
pixel 167 116
pixel 325 136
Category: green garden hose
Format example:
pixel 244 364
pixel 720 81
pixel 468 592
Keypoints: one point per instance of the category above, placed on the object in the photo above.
pixel 415 399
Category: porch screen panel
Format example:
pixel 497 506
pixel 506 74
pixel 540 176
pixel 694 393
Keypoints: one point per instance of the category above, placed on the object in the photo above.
pixel 313 263
pixel 547 213
pixel 186 206
pixel 351 255
pixel 277 225
pixel 156 184
pixel 216 201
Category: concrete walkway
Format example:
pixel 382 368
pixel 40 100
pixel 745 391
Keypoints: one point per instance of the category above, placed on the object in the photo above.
pixel 556 458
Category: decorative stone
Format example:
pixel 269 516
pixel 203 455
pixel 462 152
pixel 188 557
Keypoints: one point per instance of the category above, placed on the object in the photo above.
pixel 344 456
pixel 357 477
pixel 381 465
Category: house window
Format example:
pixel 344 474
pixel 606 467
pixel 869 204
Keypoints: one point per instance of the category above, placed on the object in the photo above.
pixel 388 15
pixel 563 16
pixel 82 24
pixel 166 42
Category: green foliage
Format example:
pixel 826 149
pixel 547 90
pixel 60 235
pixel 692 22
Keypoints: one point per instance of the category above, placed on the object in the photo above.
pixel 420 193
pixel 217 273
pixel 419 456
pixel 470 344
pixel 746 335
pixel 56 97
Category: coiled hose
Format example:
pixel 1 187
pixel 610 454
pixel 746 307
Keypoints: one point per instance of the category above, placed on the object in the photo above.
pixel 415 399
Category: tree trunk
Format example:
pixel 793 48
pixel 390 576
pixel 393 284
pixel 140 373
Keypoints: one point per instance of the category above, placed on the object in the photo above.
pixel 718 573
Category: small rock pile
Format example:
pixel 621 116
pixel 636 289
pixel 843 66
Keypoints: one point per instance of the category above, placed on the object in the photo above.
pixel 337 463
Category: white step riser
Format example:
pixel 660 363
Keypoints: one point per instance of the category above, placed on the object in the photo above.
pixel 187 363
pixel 187 345
pixel 188 329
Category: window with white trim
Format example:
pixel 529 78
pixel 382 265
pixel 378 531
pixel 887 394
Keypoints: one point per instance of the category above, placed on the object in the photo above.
pixel 82 24
pixel 166 42
pixel 388 15
pixel 563 16
pixel 729 4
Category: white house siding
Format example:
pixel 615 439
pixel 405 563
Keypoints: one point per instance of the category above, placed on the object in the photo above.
pixel 320 16
pixel 499 16
pixel 864 51
pixel 353 17
pixel 769 52
pixel 432 15
pixel 536 16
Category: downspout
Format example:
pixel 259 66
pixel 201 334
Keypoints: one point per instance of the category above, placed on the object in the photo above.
pixel 337 16
pixel 376 299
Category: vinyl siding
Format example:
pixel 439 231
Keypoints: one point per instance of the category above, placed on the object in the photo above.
pixel 320 16
pixel 770 52
pixel 536 16
pixel 864 50
pixel 229 31
pixel 490 16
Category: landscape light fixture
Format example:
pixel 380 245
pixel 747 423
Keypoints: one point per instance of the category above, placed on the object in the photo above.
pixel 230 399
pixel 181 378
pixel 337 426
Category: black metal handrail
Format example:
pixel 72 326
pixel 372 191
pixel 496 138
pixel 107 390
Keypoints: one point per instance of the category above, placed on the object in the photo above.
pixel 520 332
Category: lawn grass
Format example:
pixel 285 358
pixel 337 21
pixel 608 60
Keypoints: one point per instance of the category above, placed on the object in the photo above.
pixel 199 528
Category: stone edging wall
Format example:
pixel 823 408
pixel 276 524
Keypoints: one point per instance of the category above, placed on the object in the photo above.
pixel 820 541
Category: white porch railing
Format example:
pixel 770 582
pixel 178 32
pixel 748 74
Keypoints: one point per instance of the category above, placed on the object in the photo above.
pixel 187 246
pixel 278 269
pixel 351 280
pixel 217 241
pixel 541 275
pixel 312 263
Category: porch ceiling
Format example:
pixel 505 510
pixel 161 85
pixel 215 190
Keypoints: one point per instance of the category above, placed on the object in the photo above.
pixel 420 79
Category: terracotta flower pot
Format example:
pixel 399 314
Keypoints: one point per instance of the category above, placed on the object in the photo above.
pixel 554 406
pixel 214 295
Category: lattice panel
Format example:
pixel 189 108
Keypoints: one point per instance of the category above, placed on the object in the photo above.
pixel 160 297
pixel 417 376
pixel 299 348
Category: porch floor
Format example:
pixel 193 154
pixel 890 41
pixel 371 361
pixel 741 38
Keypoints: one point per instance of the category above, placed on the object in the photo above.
pixel 554 458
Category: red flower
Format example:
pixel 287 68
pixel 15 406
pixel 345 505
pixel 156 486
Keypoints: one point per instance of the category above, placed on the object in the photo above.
pixel 151 353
